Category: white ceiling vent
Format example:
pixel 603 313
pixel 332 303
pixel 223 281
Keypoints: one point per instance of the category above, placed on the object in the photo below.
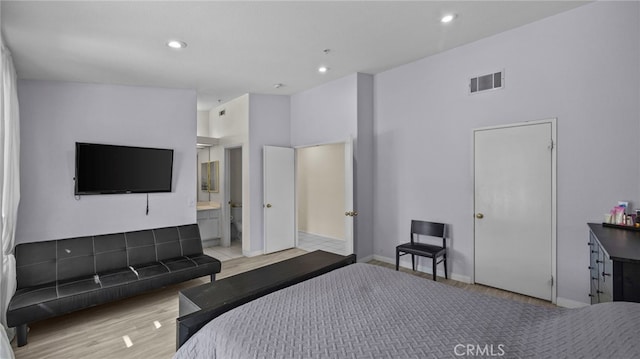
pixel 487 82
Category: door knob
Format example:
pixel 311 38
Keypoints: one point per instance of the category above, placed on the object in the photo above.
pixel 347 213
pixel 479 216
pixel 351 213
pixel 268 205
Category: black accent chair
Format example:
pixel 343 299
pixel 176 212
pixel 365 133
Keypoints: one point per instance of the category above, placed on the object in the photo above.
pixel 415 248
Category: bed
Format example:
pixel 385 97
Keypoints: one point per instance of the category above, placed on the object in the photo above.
pixel 364 310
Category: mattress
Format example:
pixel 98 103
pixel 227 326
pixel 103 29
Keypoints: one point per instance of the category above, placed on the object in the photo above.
pixel 367 311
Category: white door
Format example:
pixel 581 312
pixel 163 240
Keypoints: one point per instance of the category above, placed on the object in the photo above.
pixel 279 198
pixel 514 212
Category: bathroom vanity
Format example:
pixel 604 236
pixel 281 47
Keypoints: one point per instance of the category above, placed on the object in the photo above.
pixel 208 215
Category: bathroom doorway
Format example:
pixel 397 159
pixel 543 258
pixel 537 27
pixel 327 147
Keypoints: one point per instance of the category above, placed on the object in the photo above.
pixel 214 209
pixel 235 196
pixel 231 219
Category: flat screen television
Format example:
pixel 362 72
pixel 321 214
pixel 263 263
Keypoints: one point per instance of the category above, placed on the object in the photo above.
pixel 110 169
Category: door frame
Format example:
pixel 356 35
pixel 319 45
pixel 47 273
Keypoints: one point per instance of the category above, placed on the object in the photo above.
pixel 226 189
pixel 348 141
pixel 554 196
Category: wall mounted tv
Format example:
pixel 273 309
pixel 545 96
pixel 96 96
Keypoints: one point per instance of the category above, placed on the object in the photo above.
pixel 110 169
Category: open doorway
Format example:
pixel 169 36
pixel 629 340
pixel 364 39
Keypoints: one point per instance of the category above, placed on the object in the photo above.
pixel 221 209
pixel 320 193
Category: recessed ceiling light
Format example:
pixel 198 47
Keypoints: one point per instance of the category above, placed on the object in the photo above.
pixel 447 18
pixel 323 69
pixel 176 44
pixel 277 86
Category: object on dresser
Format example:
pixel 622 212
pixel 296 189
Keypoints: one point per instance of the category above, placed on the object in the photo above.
pixel 618 215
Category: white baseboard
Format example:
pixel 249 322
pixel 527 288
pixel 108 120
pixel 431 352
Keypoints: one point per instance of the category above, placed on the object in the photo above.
pixel 252 254
pixel 422 268
pixel 211 242
pixel 364 259
pixel 321 236
pixel 569 303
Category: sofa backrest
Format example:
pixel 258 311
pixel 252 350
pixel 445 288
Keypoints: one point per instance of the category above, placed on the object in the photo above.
pixel 190 240
pixel 110 252
pixel 167 243
pixel 36 263
pixel 40 263
pixel 75 258
pixel 141 247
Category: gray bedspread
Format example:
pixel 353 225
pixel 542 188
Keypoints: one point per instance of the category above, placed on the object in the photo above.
pixel 366 311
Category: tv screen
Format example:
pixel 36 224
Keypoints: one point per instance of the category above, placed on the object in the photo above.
pixel 108 169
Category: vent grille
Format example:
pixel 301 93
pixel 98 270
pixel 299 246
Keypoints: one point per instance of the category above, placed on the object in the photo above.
pixel 487 82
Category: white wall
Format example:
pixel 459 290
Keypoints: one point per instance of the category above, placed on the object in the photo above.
pixel 326 113
pixel 580 66
pixel 269 124
pixel 202 128
pixel 331 113
pixel 54 115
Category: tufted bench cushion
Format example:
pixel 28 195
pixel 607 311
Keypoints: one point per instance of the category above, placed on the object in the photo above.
pixel 62 276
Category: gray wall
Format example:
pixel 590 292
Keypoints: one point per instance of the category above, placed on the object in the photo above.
pixel 333 112
pixel 54 115
pixel 364 168
pixel 581 66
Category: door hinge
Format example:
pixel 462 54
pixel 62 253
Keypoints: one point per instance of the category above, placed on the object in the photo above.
pixel 551 145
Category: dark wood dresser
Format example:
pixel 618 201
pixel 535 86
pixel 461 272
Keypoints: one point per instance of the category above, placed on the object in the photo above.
pixel 614 264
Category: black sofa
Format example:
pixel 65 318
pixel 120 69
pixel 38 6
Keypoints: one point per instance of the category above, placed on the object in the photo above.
pixel 61 276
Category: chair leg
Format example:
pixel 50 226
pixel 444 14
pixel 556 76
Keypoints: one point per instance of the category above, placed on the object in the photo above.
pixel 434 263
pixel 213 277
pixel 413 262
pixel 397 259
pixel 21 331
pixel 445 266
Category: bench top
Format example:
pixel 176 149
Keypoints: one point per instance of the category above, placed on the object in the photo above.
pixel 224 291
pixel 216 298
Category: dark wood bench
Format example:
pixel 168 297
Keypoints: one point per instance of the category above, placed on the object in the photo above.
pixel 199 305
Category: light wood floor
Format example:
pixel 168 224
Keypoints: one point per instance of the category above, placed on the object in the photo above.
pixel 472 287
pixel 148 320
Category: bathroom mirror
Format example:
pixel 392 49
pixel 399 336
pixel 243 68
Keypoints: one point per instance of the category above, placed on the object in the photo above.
pixel 209 176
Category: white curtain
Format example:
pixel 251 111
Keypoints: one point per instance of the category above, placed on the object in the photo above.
pixel 9 183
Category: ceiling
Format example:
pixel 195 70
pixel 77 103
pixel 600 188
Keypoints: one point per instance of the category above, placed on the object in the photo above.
pixel 237 47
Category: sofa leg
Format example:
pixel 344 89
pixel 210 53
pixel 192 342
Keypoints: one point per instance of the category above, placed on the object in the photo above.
pixel 21 332
pixel 213 277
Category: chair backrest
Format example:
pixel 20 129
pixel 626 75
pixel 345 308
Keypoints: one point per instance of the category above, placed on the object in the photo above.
pixel 432 229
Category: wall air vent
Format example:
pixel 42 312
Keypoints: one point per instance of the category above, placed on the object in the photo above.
pixel 487 82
